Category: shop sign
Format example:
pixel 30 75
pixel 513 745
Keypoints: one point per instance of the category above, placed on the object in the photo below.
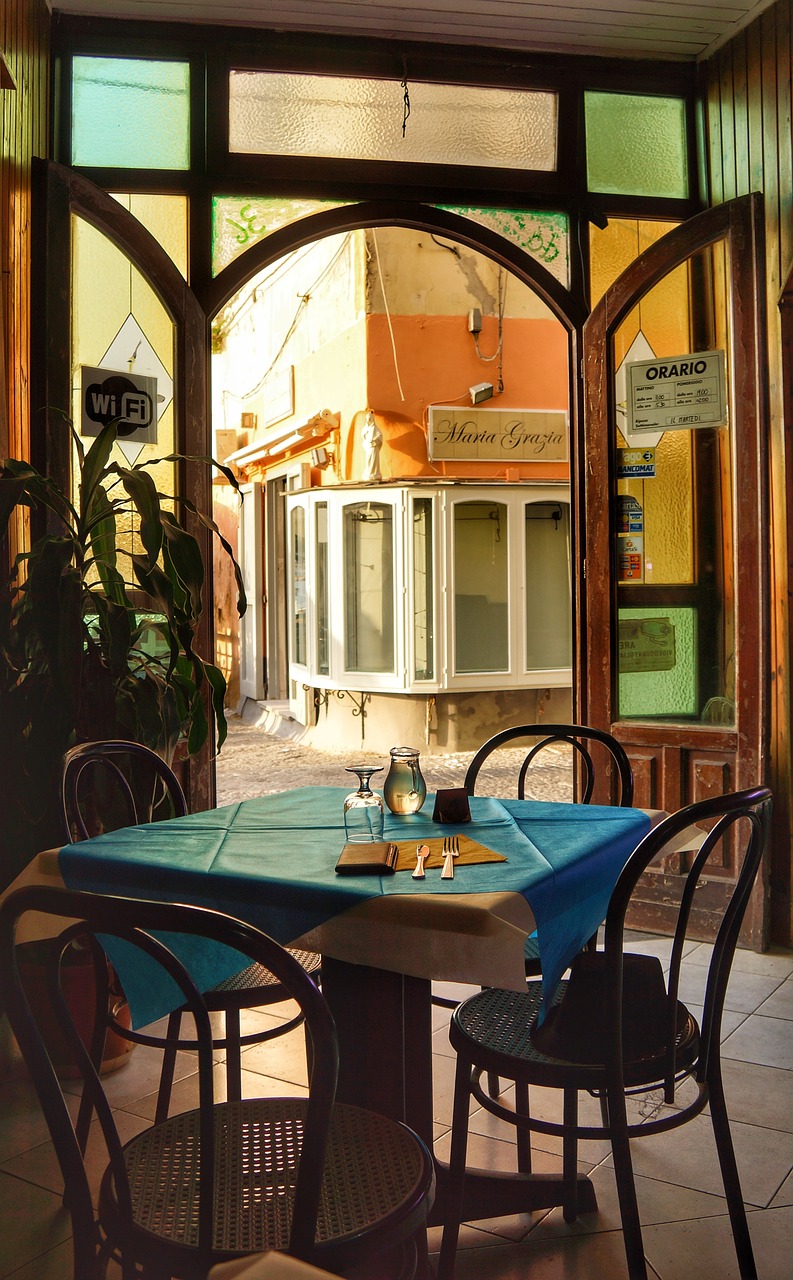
pixel 677 394
pixel 635 463
pixel 646 644
pixel 127 399
pixel 630 517
pixel 497 435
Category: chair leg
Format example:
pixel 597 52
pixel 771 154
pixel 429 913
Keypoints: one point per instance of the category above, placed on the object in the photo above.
pixel 168 1067
pixel 459 1147
pixel 626 1187
pixel 729 1173
pixel 233 1056
pixel 522 1132
pixel 570 1155
pixel 493 1084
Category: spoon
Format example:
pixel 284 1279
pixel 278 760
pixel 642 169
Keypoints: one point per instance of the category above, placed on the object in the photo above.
pixel 422 851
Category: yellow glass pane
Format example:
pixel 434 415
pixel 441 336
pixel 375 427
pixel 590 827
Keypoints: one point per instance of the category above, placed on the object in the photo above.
pixel 166 218
pixel 119 324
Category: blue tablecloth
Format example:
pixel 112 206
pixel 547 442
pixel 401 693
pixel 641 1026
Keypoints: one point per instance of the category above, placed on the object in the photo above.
pixel 270 861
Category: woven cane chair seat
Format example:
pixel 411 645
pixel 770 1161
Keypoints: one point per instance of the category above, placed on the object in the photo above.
pixel 374 1171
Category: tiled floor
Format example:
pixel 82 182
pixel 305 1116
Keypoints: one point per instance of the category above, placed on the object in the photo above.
pixel 686 1230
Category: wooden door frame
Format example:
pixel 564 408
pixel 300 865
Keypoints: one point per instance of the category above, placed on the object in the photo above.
pixel 719 757
pixel 60 192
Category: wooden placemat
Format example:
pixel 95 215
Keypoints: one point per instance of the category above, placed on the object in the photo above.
pixel 470 852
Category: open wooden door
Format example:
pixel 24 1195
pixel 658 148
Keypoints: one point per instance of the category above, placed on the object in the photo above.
pixel 675 645
pixel 108 295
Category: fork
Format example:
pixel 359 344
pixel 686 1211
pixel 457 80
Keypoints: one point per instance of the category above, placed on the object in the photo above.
pixel 451 849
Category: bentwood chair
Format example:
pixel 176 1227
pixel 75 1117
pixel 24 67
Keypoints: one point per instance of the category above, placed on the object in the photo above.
pixel 111 784
pixel 335 1185
pixel 617 1028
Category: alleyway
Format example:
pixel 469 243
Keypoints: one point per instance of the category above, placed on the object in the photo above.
pixel 253 762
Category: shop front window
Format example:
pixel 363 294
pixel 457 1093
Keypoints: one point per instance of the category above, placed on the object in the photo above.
pixel 481 587
pixel 368 594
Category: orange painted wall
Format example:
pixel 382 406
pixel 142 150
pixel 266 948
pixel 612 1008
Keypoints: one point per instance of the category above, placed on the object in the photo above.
pixel 437 363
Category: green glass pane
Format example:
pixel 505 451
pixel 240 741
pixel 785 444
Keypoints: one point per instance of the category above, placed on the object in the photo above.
pixel 636 145
pixel 240 221
pixel 658 675
pixel 131 114
pixel 545 236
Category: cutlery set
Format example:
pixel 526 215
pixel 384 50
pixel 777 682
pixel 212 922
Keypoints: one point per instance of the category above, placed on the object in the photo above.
pixel 451 850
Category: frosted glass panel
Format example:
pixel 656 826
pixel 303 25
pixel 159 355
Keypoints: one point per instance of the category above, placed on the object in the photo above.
pixel 357 119
pixel 636 145
pixel 481 614
pixel 423 588
pixel 545 236
pixel 658 663
pixel 323 602
pixel 548 616
pixel 368 587
pixel 299 601
pixel 129 113
pixel 240 221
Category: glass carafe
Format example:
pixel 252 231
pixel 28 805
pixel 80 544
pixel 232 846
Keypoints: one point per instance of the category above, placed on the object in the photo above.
pixel 363 809
pixel 404 789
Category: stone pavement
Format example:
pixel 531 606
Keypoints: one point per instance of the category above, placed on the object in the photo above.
pixel 254 761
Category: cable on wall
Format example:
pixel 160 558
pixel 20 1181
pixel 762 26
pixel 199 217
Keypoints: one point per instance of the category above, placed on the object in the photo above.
pixel 387 313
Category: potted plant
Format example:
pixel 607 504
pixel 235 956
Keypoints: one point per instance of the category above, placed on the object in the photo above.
pixel 98 624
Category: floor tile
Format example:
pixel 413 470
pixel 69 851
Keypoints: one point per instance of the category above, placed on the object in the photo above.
pixel 671 1247
pixel 40 1165
pixel 571 1258
pixel 780 1003
pixel 785 1193
pixel 776 963
pixel 687 1157
pixel 32 1222
pixel 745 991
pixel 658 1202
pixel 757 1094
pixel 768 1041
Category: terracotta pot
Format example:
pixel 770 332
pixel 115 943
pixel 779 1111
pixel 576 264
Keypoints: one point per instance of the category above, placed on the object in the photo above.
pixel 79 987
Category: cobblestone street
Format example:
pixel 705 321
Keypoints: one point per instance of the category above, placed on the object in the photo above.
pixel 254 762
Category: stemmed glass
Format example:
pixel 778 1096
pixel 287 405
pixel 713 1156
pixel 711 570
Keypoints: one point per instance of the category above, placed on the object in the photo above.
pixel 363 809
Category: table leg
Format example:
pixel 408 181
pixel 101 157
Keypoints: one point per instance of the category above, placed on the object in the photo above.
pixel 384 1021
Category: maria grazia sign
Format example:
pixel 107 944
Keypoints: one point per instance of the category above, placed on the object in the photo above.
pixel 497 435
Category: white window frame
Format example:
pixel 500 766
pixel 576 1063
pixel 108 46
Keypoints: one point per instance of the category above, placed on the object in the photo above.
pixel 401 498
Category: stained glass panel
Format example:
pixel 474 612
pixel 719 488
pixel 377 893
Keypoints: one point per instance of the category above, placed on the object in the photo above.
pixel 636 145
pixel 272 113
pixel 545 236
pixel 241 221
pixel 128 113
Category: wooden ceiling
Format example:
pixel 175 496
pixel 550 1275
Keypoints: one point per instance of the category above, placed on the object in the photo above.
pixel 684 30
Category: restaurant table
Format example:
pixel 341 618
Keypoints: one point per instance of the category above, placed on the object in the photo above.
pixel 383 939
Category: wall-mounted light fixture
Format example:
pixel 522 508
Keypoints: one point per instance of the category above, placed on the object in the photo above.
pixel 481 391
pixel 319 457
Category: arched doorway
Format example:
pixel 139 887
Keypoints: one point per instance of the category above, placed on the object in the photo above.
pixel 429 355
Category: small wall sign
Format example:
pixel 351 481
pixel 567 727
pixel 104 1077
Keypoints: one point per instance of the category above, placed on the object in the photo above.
pixel 128 399
pixel 646 644
pixel 497 435
pixel 635 463
pixel 677 394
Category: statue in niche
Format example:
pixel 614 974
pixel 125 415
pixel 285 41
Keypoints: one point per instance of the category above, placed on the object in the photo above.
pixel 372 440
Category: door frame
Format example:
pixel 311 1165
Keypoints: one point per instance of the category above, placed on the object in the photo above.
pixel 677 763
pixel 60 192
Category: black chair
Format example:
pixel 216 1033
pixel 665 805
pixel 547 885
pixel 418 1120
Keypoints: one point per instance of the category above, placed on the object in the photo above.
pixel 540 736
pixel 111 784
pixel 341 1187
pixel 617 1028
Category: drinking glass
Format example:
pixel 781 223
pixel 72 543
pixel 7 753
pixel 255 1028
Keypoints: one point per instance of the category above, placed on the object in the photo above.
pixel 363 809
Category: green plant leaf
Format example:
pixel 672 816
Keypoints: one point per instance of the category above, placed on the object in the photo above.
pixel 143 492
pixel 94 468
pixel 185 557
